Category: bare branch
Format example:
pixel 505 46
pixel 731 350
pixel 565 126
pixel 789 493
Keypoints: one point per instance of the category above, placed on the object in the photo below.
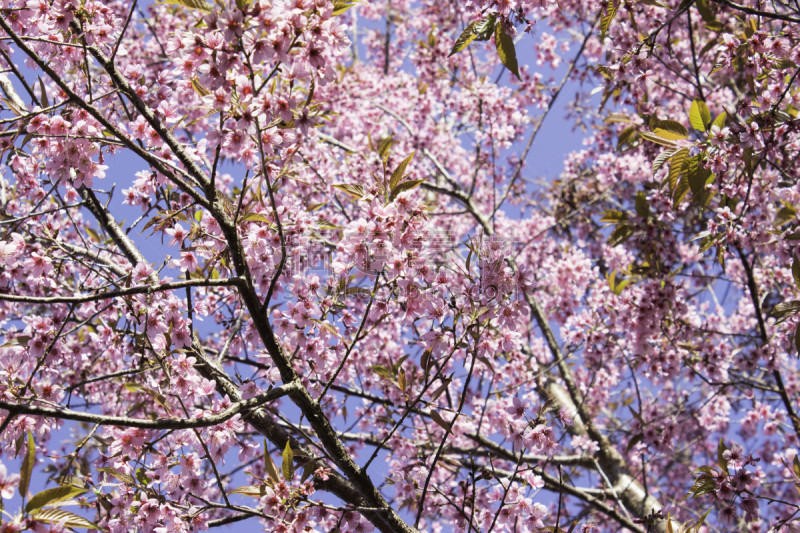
pixel 240 407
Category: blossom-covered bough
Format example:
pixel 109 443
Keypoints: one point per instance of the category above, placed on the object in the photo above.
pixel 321 289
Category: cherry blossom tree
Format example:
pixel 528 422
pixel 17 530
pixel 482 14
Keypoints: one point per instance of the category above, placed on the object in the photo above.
pixel 289 262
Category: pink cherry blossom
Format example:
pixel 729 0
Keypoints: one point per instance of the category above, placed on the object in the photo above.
pixel 358 234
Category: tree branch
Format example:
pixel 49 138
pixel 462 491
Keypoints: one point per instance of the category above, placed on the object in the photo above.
pixel 139 289
pixel 239 407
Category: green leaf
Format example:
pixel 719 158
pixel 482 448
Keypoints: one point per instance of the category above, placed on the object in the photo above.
pixel 614 216
pixel 699 115
pixel 698 177
pixel 700 521
pixel 785 309
pixel 401 379
pixel 403 187
pixel 703 486
pixel 443 387
pixel 626 137
pixel 287 467
pixel 324 224
pixel 199 88
pixel 26 468
pixel 383 371
pixel 200 5
pixel 605 21
pixel 620 234
pixel 678 165
pixel 488 363
pixel 464 40
pixel 253 491
pixel 797 344
pixel 340 6
pixel 712 43
pixel 706 469
pixel 671 130
pixel 65 518
pixel 255 217
pixel 93 234
pixel 721 449
pixel 19 340
pixel 505 50
pixel 269 466
pixel 785 214
pixel 617 287
pixel 73 481
pixel 53 495
pixel 707 242
pixel 484 28
pixel 157 396
pixel 784 63
pixel 642 206
pixel 141 476
pixel 308 470
pixel 353 190
pixel 384 145
pixel 720 120
pixel 122 476
pixel 436 417
pixel 680 192
pixel 639 437
pixel 605 72
pixel 358 290
pixel 616 118
pixel 45 103
pixel 751 27
pixel 398 172
pixel 653 138
pixel 621 286
pixel 662 158
pixel 426 361
pixel 705 11
pixel 399 363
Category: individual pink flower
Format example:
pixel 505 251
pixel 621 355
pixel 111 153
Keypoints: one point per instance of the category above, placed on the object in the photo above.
pixel 38 264
pixel 10 250
pixel 188 261
pixel 7 483
pixel 750 507
pixel 178 234
pixel 728 515
pixel 141 273
pixel 518 408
